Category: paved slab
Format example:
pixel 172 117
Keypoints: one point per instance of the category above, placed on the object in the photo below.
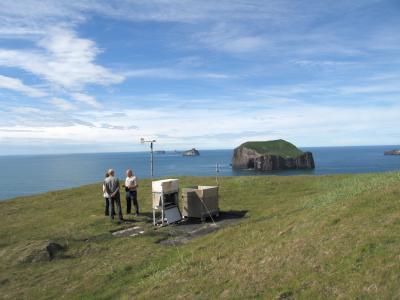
pixel 186 230
pixel 183 231
pixel 132 231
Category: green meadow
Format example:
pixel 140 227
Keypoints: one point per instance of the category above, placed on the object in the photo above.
pixel 303 237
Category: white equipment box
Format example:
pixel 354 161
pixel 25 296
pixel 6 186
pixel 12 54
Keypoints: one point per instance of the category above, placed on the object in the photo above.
pixel 165 199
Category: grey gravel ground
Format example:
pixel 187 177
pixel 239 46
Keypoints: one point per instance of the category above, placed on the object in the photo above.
pixel 181 232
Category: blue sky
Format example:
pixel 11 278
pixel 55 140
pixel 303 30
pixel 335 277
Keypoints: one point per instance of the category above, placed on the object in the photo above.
pixel 91 76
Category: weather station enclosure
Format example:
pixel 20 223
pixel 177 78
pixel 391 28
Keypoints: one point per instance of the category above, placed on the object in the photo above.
pixel 165 201
pixel 200 202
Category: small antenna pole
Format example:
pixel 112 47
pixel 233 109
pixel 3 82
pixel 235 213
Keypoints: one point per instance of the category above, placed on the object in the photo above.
pixel 216 173
pixel 142 141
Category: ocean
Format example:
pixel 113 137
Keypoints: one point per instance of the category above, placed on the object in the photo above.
pixel 27 175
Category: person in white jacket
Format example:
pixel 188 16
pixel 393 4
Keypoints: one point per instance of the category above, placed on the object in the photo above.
pixel 131 185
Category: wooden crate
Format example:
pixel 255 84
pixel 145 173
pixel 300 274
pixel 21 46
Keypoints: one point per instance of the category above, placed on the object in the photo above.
pixel 200 202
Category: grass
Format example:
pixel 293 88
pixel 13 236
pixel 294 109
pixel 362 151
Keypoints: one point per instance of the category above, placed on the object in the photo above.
pixel 304 237
pixel 276 147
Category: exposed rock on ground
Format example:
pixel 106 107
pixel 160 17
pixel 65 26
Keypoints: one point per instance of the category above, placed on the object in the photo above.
pixel 35 251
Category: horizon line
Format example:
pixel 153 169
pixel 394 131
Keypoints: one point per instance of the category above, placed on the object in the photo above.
pixel 206 149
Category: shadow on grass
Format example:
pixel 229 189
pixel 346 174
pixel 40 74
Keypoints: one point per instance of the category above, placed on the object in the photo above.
pixel 223 217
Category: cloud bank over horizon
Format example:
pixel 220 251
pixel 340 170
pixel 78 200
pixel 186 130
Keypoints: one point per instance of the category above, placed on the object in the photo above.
pixel 93 76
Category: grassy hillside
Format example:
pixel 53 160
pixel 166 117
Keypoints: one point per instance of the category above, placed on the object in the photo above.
pixel 276 147
pixel 304 237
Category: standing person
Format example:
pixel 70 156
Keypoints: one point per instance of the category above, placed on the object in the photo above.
pixel 111 184
pixel 131 192
pixel 106 200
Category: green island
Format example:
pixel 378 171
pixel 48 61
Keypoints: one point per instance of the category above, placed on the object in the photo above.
pixel 309 237
pixel 276 147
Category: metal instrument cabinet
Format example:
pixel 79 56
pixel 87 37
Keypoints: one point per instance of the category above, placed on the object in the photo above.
pixel 165 199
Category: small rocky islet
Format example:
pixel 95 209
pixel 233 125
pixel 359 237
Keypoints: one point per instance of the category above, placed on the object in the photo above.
pixel 191 152
pixel 271 156
pixel 392 152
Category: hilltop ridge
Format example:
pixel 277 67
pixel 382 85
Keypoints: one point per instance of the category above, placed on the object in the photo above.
pixel 304 237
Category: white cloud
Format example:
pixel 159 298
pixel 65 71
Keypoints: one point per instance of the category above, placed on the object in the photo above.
pixel 232 38
pixel 243 44
pixel 62 59
pixel 33 18
pixel 87 99
pixel 255 33
pixel 305 125
pixel 189 11
pixel 283 22
pixel 17 85
pixel 323 63
pixel 62 104
pixel 174 73
pixel 383 88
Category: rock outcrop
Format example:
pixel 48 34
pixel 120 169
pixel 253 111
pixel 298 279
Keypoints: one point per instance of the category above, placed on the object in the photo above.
pixel 191 152
pixel 245 157
pixel 35 251
pixel 392 152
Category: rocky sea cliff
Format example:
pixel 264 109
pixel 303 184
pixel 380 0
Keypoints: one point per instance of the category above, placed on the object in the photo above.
pixel 244 157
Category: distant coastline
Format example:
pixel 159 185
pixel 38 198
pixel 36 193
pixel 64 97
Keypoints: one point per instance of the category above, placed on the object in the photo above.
pixel 174 151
